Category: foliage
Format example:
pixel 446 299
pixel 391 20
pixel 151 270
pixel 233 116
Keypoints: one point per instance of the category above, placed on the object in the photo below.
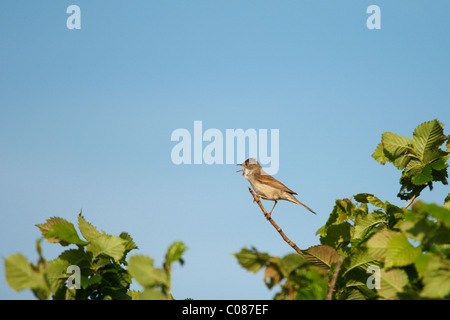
pixel 375 249
pixel 420 158
pixel 369 248
pixel 104 272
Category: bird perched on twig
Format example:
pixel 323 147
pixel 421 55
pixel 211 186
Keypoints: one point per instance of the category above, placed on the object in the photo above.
pixel 266 186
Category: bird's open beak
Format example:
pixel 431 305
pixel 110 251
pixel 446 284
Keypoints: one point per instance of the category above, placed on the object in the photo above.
pixel 242 170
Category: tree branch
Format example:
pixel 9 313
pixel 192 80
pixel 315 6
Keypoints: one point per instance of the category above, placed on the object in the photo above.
pixel 414 197
pixel 285 238
pixel 333 281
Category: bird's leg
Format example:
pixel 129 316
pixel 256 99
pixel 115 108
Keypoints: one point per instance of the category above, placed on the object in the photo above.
pixel 270 213
pixel 259 197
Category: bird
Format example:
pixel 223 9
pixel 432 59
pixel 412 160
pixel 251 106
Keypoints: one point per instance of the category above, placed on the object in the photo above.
pixel 266 186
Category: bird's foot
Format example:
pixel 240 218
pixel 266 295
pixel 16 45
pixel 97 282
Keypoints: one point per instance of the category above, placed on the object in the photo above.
pixel 257 198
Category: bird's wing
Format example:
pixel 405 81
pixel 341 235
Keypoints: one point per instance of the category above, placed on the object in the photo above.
pixel 271 181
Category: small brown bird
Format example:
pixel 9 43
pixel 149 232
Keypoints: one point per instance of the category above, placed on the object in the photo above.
pixel 266 186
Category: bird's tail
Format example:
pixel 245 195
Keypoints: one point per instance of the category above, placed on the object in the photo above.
pixel 295 200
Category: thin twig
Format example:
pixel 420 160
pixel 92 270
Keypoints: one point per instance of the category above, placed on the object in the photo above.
pixel 333 280
pixel 285 238
pixel 414 197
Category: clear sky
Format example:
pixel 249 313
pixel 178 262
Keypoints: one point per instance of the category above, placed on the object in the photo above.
pixel 86 118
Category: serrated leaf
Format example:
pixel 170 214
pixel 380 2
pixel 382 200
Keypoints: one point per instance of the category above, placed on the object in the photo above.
pixel 174 253
pixel 321 255
pixel 395 147
pixel 378 243
pixel 252 260
pixel 291 262
pixel 130 242
pixel 379 155
pixel 141 268
pixel 105 244
pixel 400 252
pixel 88 231
pixel 392 282
pixel 441 213
pixel 20 275
pixel 45 228
pixel 86 282
pixel 60 231
pixel 130 245
pixel 423 177
pixel 272 275
pixel 436 284
pixel 365 223
pixel 360 258
pixel 369 198
pixel 433 155
pixel 76 257
pixel 427 136
pixel 56 274
pixel 337 234
pixel 439 164
pixel 413 167
pixel 435 273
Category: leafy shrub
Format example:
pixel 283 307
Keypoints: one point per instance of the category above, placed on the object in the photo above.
pixel 101 259
pixel 372 249
pixel 369 248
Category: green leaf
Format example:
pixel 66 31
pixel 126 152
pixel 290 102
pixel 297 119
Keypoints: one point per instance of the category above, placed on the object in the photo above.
pixel 86 282
pixel 378 243
pixel 369 198
pixel 413 167
pixel 20 275
pixel 252 260
pixel 134 294
pixel 76 257
pixel 152 294
pixel 427 136
pixel 441 213
pixel 439 164
pixel 272 273
pixel 395 147
pixel 436 284
pixel 359 258
pixel 379 154
pixel 291 262
pixel 56 274
pixel 321 255
pixel 88 231
pixel 400 252
pixel 174 253
pixel 130 243
pixel 59 230
pixel 105 244
pixel 436 157
pixel 141 268
pixel 435 273
pixel 392 282
pixel 364 224
pixel 423 177
pixel 337 234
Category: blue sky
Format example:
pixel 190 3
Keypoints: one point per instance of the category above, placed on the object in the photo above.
pixel 86 118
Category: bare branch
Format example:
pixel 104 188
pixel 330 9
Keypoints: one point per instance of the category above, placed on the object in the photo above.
pixel 269 218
